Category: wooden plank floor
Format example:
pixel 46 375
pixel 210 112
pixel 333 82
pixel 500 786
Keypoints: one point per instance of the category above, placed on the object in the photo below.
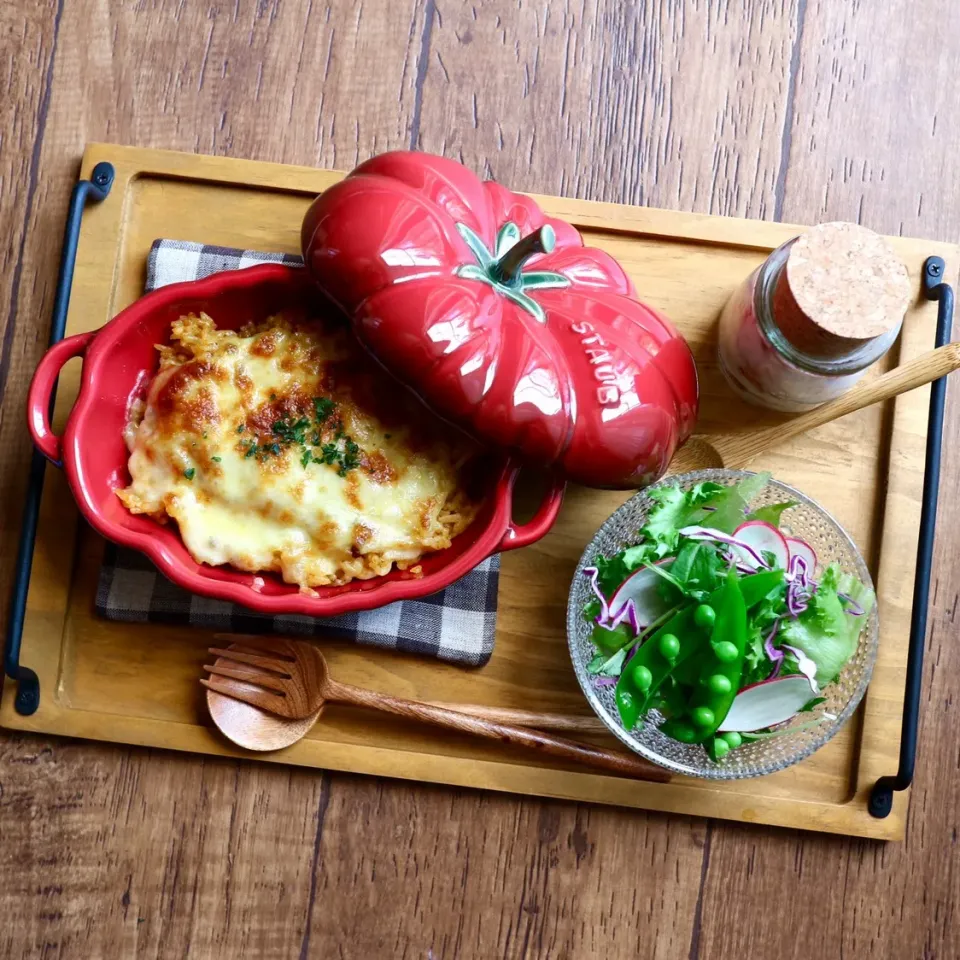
pixel 793 109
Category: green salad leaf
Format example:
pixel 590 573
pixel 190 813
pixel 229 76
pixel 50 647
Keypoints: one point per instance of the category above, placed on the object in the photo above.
pixel 704 492
pixel 674 588
pixel 860 594
pixel 825 632
pixel 636 557
pixel 765 592
pixel 609 641
pixel 772 607
pixel 605 665
pixel 771 513
pixel 610 573
pixel 675 509
pixel 666 518
pixel 756 665
pixel 696 570
pixel 731 504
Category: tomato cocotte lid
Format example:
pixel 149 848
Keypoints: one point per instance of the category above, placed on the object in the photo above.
pixel 501 320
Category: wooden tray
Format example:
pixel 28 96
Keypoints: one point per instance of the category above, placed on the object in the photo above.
pixel 137 683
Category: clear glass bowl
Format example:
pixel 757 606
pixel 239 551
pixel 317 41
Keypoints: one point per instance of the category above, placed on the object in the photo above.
pixel 797 738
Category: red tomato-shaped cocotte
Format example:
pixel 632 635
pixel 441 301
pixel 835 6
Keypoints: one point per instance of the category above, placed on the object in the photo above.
pixel 501 320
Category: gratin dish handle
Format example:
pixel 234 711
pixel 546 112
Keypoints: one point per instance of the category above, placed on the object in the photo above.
pixel 523 534
pixel 42 387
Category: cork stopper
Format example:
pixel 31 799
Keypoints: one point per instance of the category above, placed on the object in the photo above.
pixel 842 285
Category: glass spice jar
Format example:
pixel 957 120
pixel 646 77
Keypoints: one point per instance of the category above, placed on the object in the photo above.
pixel 809 321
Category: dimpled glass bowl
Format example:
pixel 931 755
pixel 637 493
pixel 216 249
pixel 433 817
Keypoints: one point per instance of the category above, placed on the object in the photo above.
pixel 802 735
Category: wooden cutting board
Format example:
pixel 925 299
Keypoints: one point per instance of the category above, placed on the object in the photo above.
pixel 137 683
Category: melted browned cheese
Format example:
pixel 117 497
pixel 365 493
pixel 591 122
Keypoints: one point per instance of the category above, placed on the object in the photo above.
pixel 285 449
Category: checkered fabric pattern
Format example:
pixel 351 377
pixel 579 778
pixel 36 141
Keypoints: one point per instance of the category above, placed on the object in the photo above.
pixel 456 624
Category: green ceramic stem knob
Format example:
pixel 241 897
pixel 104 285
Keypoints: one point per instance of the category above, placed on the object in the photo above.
pixel 507 268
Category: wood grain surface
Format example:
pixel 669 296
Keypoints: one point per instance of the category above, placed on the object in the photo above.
pixel 803 110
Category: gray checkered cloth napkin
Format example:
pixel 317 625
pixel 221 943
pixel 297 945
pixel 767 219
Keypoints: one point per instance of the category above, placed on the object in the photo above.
pixel 456 624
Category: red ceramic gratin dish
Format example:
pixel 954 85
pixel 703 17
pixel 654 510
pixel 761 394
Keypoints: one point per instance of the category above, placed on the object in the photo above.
pixel 120 359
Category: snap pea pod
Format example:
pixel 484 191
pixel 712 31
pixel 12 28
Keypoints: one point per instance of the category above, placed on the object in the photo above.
pixel 652 664
pixel 670 699
pixel 649 667
pixel 756 586
pixel 723 662
pixel 719 746
pixel 753 589
pixel 687 673
pixel 716 682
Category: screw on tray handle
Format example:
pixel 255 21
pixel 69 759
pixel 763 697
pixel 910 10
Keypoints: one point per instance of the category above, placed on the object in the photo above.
pixel 881 796
pixel 28 685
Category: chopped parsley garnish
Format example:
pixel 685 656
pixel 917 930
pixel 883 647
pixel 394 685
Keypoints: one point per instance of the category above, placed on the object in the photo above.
pixel 191 473
pixel 342 452
pixel 215 459
pixel 322 408
pixel 329 453
pixel 241 428
pixel 291 431
pixel 350 458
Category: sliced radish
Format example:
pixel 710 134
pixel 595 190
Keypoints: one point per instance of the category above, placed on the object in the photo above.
pixel 763 538
pixel 641 588
pixel 800 548
pixel 766 704
pixel 806 666
pixel 752 564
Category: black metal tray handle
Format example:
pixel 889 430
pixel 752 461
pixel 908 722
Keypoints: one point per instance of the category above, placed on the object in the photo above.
pixel 28 685
pixel 881 796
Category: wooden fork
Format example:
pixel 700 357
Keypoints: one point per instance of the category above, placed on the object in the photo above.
pixel 294 682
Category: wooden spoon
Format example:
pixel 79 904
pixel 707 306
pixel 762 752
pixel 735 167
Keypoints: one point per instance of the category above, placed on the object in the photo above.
pixel 539 719
pixel 291 680
pixel 736 450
